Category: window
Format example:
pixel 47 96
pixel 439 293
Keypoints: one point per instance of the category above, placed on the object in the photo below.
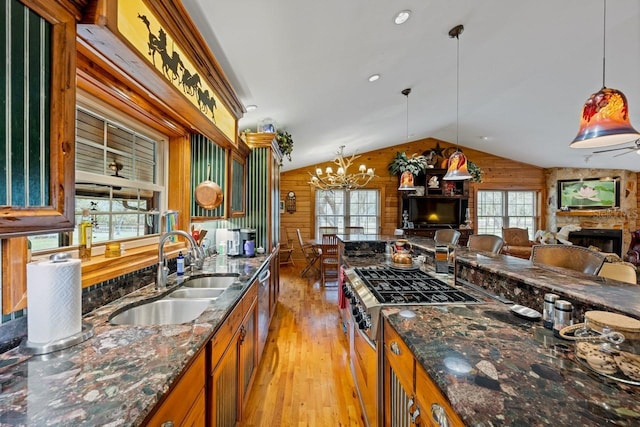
pixel 117 180
pixel 499 209
pixel 341 208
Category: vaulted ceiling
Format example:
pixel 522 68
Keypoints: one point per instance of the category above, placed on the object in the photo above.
pixel 525 70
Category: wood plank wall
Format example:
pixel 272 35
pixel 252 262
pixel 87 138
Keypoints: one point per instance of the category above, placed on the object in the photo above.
pixel 499 173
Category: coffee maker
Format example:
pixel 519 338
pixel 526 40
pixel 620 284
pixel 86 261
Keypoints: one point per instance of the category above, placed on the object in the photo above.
pixel 233 242
pixel 248 238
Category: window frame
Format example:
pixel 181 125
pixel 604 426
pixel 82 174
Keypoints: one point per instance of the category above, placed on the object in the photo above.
pixel 346 216
pixel 537 196
pixel 104 111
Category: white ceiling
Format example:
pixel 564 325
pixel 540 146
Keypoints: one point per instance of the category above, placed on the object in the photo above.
pixel 526 68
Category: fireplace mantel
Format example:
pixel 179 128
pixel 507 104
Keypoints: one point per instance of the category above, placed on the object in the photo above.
pixel 592 213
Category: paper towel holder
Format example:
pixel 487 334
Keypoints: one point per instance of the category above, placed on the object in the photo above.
pixel 85 333
pixel 29 347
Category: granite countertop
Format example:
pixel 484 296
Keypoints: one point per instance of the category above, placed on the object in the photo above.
pixel 517 372
pixel 498 369
pixel 116 377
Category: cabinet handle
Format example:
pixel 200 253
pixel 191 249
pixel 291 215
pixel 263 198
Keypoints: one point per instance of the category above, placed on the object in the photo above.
pixel 263 279
pixel 243 334
pixel 439 415
pixel 395 348
pixel 167 424
pixel 414 415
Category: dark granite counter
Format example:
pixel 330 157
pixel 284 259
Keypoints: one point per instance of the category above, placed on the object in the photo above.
pixel 518 373
pixel 499 370
pixel 116 377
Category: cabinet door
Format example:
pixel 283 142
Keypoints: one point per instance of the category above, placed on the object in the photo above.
pixel 37 179
pixel 223 384
pixel 238 185
pixel 399 400
pixel 247 347
pixel 435 408
pixel 182 401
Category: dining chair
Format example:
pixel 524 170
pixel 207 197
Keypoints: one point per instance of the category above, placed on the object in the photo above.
pixel 447 235
pixel 619 271
pixel 354 230
pixel 311 256
pixel 329 259
pixel 572 257
pixel 286 252
pixel 485 242
pixel 327 230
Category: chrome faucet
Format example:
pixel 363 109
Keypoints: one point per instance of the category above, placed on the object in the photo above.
pixel 163 270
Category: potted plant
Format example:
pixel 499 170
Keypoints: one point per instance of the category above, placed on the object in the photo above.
pixel 285 143
pixel 401 163
pixel 475 171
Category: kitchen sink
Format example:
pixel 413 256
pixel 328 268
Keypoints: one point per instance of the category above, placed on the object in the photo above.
pixel 160 312
pixel 218 281
pixel 197 293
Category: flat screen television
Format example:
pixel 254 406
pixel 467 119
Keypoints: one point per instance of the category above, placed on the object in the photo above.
pixel 434 212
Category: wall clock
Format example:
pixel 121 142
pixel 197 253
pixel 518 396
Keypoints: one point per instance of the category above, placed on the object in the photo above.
pixel 290 202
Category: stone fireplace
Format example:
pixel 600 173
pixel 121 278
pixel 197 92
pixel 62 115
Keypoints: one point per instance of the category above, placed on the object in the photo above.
pixel 608 229
pixel 607 240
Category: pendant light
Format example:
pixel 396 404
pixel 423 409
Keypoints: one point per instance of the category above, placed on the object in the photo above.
pixel 605 115
pixel 457 164
pixel 407 179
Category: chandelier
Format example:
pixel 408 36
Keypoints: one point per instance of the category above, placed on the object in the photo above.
pixel 341 179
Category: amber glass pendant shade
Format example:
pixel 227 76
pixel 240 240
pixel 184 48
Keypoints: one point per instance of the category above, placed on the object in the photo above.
pixel 604 121
pixel 457 168
pixel 406 181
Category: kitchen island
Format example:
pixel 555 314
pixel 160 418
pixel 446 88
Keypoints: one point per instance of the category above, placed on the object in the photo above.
pixel 494 368
pixel 120 375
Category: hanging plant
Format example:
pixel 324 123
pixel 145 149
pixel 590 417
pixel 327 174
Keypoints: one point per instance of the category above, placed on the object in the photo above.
pixel 285 143
pixel 401 163
pixel 475 171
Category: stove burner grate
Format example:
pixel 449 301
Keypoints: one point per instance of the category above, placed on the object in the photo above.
pixel 410 287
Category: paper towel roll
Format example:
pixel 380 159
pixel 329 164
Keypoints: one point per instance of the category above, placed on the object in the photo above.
pixel 54 300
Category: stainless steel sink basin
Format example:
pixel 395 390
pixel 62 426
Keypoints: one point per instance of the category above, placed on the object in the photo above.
pixel 161 312
pixel 212 281
pixel 197 293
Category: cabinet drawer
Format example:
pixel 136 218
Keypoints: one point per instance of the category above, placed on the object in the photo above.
pixel 250 297
pixel 399 356
pixel 183 396
pixel 225 333
pixel 427 393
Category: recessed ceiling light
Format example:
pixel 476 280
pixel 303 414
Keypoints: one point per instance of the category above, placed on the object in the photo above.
pixel 484 138
pixel 402 17
pixel 251 107
pixel 374 77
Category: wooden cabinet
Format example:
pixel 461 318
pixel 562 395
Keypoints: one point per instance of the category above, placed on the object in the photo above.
pixel 233 362
pixel 442 205
pixel 185 404
pixel 410 396
pixel 37 183
pixel 237 178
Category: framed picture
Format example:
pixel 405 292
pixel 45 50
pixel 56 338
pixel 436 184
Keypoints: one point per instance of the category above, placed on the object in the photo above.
pixel 591 193
pixel 281 206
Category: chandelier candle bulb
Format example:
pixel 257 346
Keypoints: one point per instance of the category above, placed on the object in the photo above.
pixel 342 179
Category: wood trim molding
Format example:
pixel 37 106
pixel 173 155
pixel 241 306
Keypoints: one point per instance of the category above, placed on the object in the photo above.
pixel 14 274
pixel 98 29
pixel 58 215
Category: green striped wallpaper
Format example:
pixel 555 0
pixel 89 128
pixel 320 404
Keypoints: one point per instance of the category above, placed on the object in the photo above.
pixel 25 92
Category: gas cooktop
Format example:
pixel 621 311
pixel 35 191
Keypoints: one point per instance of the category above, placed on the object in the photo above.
pixel 409 286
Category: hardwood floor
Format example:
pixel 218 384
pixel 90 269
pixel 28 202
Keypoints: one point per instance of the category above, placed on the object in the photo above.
pixel 304 377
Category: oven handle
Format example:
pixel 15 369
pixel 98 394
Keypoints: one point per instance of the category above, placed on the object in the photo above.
pixel 364 336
